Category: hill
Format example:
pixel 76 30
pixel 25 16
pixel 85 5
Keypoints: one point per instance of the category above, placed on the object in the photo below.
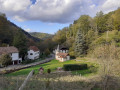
pixel 9 30
pixel 40 35
pixel 87 32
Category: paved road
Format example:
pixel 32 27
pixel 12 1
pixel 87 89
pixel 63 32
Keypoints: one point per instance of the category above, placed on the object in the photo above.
pixel 16 67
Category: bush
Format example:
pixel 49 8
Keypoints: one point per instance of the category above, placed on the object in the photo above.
pixel 28 61
pixel 73 67
pixel 49 71
pixel 72 57
pixel 5 60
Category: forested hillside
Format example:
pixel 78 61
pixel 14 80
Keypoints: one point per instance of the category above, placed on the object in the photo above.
pixel 12 35
pixel 42 36
pixel 86 33
pixel 8 31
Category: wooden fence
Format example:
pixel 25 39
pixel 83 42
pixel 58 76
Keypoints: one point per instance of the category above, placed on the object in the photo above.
pixel 26 80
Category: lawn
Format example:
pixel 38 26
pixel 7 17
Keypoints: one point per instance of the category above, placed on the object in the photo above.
pixel 54 64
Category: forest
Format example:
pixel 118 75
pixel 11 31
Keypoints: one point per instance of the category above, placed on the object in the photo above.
pixel 88 33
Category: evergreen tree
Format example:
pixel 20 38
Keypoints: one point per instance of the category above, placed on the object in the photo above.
pixel 80 45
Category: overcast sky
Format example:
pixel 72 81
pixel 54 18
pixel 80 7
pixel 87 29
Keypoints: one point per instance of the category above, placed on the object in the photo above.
pixel 52 15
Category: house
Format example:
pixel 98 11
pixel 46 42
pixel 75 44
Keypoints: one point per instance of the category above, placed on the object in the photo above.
pixel 13 52
pixel 33 53
pixel 61 54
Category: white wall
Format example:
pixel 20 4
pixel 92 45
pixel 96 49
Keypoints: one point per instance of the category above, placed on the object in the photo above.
pixel 64 51
pixel 15 56
pixel 62 59
pixel 35 55
pixel 68 57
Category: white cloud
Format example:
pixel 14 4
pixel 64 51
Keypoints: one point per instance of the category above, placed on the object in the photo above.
pixel 14 6
pixel 110 5
pixel 55 11
pixel 28 30
pixel 18 18
pixel 92 6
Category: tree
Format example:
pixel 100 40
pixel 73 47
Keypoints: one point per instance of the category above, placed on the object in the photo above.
pixel 100 22
pixel 60 36
pixel 47 52
pixel 108 56
pixel 116 18
pixel 5 60
pixel 90 37
pixel 3 15
pixel 71 51
pixel 84 23
pixel 48 43
pixel 109 24
pixel 20 42
pixel 80 45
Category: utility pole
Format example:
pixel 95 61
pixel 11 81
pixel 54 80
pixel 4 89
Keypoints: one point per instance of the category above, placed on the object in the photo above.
pixel 107 35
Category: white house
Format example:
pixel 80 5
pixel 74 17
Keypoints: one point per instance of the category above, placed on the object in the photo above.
pixel 33 53
pixel 13 52
pixel 62 54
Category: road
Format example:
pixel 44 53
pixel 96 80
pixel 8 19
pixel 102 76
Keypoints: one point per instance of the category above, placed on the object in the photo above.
pixel 13 68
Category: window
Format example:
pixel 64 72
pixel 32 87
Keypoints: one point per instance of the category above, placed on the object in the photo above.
pixel 31 53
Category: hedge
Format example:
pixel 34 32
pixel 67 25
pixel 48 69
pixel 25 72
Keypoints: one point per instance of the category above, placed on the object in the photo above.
pixel 73 67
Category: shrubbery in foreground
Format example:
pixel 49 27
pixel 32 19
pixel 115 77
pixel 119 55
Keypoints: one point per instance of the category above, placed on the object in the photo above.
pixel 73 67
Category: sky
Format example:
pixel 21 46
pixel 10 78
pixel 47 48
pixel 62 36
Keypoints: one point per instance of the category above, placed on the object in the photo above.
pixel 48 16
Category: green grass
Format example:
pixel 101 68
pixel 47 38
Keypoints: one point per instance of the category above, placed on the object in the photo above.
pixel 53 66
pixel 86 72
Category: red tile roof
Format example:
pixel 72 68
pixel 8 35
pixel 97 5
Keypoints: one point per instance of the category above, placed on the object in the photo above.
pixel 62 55
pixel 8 50
pixel 34 48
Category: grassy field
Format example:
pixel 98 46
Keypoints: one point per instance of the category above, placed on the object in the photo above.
pixel 53 81
pixel 59 80
pixel 54 64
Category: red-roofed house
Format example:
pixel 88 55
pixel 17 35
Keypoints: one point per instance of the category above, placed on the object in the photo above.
pixel 62 54
pixel 33 53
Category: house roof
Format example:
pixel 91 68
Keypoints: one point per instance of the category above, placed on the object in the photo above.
pixel 61 47
pixel 34 48
pixel 8 50
pixel 63 55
